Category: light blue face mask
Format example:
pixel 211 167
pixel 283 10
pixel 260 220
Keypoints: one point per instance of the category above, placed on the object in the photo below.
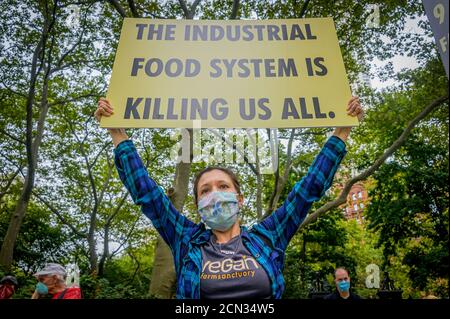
pixel 219 210
pixel 344 286
pixel 41 288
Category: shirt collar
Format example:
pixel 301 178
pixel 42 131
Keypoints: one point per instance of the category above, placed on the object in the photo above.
pixel 203 235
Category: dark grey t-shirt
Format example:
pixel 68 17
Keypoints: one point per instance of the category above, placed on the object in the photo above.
pixel 230 271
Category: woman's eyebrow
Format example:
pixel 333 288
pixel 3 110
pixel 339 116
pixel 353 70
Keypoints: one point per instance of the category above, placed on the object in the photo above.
pixel 219 181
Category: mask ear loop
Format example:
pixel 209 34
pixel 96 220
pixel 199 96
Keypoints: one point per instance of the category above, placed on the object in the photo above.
pixel 206 226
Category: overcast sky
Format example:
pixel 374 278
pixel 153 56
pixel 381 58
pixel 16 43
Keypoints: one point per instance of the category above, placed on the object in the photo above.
pixel 399 62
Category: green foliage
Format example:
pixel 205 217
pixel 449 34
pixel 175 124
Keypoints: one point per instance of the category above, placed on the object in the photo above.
pixel 125 277
pixel 361 245
pixel 39 241
pixel 409 200
pixel 315 254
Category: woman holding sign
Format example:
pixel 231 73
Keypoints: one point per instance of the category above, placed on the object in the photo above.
pixel 219 258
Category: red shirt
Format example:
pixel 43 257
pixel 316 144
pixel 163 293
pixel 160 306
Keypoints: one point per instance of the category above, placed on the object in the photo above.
pixel 71 293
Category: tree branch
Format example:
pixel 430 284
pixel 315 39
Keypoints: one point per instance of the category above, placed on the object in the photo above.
pixel 86 160
pixel 184 8
pixel 67 101
pixel 126 238
pixel 106 182
pixel 105 145
pixel 59 215
pixel 108 221
pixel 234 10
pixel 12 136
pixel 193 8
pixel 105 255
pixel 237 149
pixel 130 253
pixel 189 13
pixel 258 174
pixel 59 65
pixel 85 63
pixel 117 209
pixel 281 182
pixel 118 8
pixel 133 9
pixel 8 183
pixel 14 91
pixel 304 8
pixel 155 15
pixel 369 171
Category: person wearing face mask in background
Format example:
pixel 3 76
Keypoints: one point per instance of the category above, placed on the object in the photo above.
pixel 52 280
pixel 220 258
pixel 8 286
pixel 342 282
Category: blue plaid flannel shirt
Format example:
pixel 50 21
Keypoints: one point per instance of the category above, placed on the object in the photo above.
pixel 266 240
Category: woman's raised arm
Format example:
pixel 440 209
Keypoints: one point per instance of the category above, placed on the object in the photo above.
pixel 171 225
pixel 283 223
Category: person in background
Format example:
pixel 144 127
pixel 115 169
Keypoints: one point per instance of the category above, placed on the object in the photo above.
pixel 342 281
pixel 8 286
pixel 52 280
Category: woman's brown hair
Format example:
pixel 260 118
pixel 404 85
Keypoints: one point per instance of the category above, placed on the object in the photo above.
pixel 227 171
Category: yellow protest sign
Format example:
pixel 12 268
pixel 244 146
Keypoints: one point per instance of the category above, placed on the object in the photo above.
pixel 228 74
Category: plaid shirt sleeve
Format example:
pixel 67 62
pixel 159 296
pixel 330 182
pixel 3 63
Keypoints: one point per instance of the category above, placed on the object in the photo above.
pixel 154 203
pixel 283 223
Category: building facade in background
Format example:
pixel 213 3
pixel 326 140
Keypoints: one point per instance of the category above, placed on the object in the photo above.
pixel 357 200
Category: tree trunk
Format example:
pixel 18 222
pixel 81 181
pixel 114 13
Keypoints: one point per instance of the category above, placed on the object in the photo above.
pixel 101 264
pixel 162 284
pixel 32 147
pixel 280 181
pixel 105 255
pixel 92 254
pixel 6 254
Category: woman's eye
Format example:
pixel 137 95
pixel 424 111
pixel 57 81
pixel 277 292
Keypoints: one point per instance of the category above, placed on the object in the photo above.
pixel 224 186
